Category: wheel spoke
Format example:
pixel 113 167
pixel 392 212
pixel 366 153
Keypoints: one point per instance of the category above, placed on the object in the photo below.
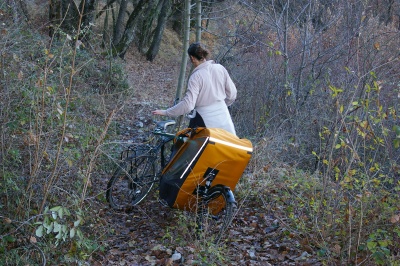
pixel 215 217
pixel 131 182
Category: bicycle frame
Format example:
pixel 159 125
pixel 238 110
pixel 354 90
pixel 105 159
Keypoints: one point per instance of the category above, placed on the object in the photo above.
pixel 158 149
pixel 205 192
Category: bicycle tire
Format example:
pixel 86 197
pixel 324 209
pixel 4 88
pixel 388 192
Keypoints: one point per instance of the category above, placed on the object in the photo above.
pixel 215 214
pixel 131 182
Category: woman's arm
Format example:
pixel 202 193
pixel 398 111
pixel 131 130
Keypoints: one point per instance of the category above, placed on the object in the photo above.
pixel 230 89
pixel 186 105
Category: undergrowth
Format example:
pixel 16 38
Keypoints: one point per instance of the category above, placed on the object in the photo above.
pixel 58 101
pixel 347 210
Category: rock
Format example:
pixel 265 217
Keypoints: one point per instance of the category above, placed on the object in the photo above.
pixel 176 256
pixel 139 124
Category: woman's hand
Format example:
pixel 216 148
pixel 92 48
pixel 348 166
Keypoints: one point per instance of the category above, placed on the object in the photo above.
pixel 159 112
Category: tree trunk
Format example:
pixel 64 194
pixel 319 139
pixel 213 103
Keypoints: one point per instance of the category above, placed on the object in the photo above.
pixel 106 38
pixel 185 41
pixel 106 7
pixel 129 32
pixel 186 35
pixel 54 16
pixel 69 16
pixel 198 21
pixel 285 33
pixel 162 19
pixel 177 16
pixel 207 9
pixel 146 23
pixel 119 24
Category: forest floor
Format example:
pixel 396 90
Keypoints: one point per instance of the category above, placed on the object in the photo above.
pixel 151 233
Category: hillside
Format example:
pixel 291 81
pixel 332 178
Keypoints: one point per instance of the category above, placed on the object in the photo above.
pixel 318 100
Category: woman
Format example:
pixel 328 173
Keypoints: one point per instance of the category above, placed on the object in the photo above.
pixel 210 91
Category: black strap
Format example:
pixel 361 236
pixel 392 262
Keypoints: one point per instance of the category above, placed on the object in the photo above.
pixel 197 121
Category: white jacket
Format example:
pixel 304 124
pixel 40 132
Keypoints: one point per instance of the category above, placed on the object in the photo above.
pixel 210 90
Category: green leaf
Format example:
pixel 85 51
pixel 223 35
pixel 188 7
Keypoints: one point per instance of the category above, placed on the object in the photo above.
pixel 9 238
pixel 67 212
pixel 77 222
pixel 64 228
pixel 61 212
pixel 383 243
pixel 396 129
pixel 58 236
pixel 79 233
pixel 315 154
pixel 396 143
pixel 39 231
pixel 386 251
pixel 371 245
pixel 50 228
pixel 46 225
pixel 72 233
pixel 338 146
pixel 321 252
pixel 55 209
pixel 57 227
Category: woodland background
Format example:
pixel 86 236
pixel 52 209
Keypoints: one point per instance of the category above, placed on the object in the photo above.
pixel 318 95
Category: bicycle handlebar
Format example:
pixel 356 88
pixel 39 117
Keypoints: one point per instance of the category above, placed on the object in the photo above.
pixel 162 125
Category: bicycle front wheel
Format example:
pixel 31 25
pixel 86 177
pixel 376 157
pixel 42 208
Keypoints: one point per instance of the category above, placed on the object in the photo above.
pixel 215 214
pixel 131 182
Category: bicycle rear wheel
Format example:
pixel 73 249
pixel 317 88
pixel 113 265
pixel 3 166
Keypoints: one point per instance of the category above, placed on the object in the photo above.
pixel 131 182
pixel 215 214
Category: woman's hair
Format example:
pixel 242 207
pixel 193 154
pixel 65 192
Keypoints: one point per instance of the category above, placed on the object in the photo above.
pixel 198 51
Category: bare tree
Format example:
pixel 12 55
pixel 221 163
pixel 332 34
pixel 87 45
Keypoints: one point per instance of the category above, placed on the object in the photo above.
pixel 144 27
pixel 186 36
pixel 129 33
pixel 119 24
pixel 198 20
pixel 158 32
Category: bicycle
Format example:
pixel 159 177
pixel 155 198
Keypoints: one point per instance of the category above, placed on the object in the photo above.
pixel 141 167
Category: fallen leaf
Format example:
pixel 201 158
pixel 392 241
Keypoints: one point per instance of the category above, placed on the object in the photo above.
pixel 33 240
pixel 336 249
pixel 307 248
pixel 395 218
